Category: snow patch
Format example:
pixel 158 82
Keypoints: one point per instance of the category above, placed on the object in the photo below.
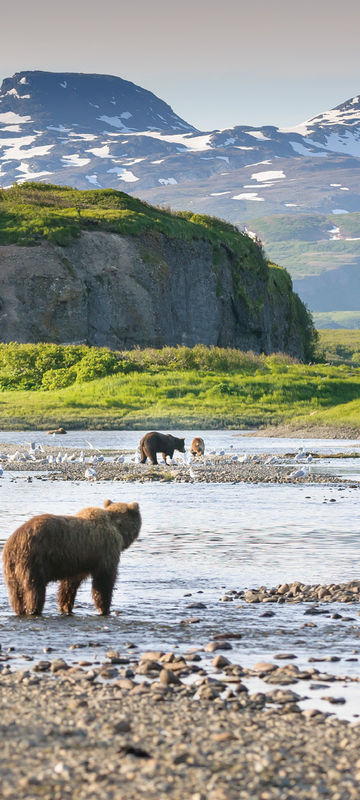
pixel 258 135
pixel 115 122
pixel 126 115
pixel 92 179
pixel 248 196
pixel 335 184
pixel 217 194
pixel 63 85
pixel 75 160
pixel 23 80
pixel 304 151
pixel 124 174
pixel 291 205
pixel 27 174
pixel 344 189
pixel 241 147
pixel 167 181
pixel 87 137
pixel 229 141
pixel 223 158
pixel 60 128
pixel 100 152
pixel 93 105
pixel 159 161
pixel 12 118
pixel 269 175
pixel 339 211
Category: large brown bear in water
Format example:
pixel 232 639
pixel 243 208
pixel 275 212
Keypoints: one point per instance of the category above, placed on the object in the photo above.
pixel 68 549
pixel 163 443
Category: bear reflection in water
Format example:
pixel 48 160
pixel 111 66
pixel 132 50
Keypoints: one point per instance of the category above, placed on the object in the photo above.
pixel 164 443
pixel 68 549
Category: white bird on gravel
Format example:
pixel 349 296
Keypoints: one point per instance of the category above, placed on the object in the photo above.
pixel 192 473
pixel 221 452
pixel 119 459
pixel 59 458
pixel 31 446
pixel 270 460
pixel 309 458
pixel 50 459
pixel 299 473
pixel 90 474
pixel 244 458
pixel 82 458
pixel 300 455
pixel 101 459
pixel 72 457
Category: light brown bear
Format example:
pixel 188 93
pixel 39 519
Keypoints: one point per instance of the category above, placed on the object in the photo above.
pixel 68 549
pixel 197 446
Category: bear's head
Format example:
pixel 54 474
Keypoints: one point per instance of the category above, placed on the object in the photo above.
pixel 127 519
pixel 180 445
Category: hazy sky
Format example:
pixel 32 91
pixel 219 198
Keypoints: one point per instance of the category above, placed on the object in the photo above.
pixel 216 62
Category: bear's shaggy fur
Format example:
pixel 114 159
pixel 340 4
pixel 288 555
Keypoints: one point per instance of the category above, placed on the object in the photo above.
pixel 163 443
pixel 197 446
pixel 68 549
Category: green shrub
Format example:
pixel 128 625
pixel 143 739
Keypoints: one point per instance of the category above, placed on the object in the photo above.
pixel 58 378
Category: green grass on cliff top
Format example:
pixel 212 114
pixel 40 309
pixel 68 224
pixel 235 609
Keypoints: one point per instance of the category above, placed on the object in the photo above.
pixel 34 211
pixel 177 387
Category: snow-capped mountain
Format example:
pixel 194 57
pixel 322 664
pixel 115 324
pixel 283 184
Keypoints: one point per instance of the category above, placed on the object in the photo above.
pixel 337 130
pixel 101 131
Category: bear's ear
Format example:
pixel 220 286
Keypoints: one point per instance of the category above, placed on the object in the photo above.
pixel 133 506
pixel 107 503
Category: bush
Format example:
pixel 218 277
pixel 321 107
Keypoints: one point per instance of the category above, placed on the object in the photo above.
pixel 58 378
pixel 96 364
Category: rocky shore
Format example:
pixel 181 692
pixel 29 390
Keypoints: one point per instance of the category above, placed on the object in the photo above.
pixel 161 725
pixel 119 465
pixel 298 592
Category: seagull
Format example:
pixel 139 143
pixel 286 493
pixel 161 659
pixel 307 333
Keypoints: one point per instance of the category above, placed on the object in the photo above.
pixel 59 458
pixel 90 474
pixel 72 457
pixel 82 457
pixel 300 455
pixel 14 457
pixel 244 458
pixel 50 459
pixel 221 452
pixel 31 446
pixel 309 458
pixel 101 459
pixel 192 473
pixel 299 473
pixel 119 460
pixel 270 460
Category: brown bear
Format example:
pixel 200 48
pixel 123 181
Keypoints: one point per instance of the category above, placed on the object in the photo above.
pixel 163 443
pixel 68 549
pixel 197 446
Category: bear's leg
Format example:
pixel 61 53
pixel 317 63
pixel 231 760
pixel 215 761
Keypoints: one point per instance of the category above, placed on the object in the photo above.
pixel 164 457
pixel 34 597
pixel 16 596
pixel 143 455
pixel 67 593
pixel 152 457
pixel 102 589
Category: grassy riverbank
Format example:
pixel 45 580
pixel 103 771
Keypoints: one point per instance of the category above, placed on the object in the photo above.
pixel 173 387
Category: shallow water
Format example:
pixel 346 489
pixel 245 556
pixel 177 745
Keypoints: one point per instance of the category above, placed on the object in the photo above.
pixel 196 541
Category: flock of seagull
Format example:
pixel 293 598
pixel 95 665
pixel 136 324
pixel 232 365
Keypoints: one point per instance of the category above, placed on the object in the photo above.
pixel 35 452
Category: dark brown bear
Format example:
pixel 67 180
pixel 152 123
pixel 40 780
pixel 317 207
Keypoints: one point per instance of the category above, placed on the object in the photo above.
pixel 163 443
pixel 68 549
pixel 197 446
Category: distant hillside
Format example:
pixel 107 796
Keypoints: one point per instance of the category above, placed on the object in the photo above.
pixel 322 254
pixel 103 268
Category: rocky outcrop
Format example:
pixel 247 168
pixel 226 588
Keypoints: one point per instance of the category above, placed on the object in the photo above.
pixel 148 290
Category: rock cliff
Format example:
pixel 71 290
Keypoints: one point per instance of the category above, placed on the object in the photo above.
pixel 124 291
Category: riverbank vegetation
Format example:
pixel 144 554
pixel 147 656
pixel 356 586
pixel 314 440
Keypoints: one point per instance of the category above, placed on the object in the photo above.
pixel 46 385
